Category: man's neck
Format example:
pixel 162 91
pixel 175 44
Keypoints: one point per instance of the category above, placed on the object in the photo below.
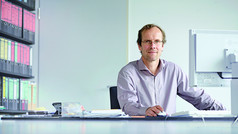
pixel 153 66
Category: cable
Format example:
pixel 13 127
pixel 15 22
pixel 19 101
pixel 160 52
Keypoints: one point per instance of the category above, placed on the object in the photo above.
pixel 220 75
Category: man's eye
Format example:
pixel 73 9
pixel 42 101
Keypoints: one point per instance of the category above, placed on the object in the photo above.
pixel 157 41
pixel 148 41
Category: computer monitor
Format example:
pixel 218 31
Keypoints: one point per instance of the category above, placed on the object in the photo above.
pixel 208 54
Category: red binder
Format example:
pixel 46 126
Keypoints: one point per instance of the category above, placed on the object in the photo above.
pixel 20 21
pixel 27 55
pixel 18 53
pixel 22 54
pixel 13 51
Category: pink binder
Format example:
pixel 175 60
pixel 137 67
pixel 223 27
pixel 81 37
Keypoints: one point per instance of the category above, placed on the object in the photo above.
pixel 20 17
pixel 13 51
pixel 29 21
pixel 13 16
pixel 9 12
pixel 22 54
pixel 18 53
pixel 27 55
pixel 24 19
pixel 33 22
pixel 4 10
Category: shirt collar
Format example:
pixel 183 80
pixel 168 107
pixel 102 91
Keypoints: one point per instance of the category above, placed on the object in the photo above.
pixel 142 66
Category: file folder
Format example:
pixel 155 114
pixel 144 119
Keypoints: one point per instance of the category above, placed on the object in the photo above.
pixel 1 90
pixel 6 6
pixel 15 20
pixel 0 20
pixel 5 49
pixel 34 26
pixel 22 101
pixel 30 28
pixel 21 58
pixel 13 51
pixel 30 66
pixel 29 95
pixel 11 94
pixel 25 24
pixel 9 50
pixel 34 96
pixel 2 50
pixel 2 43
pixel 9 18
pixel 5 54
pixel 16 52
pixel 12 56
pixel 5 93
pixel 4 10
pixel 20 21
pixel 25 69
pixel 16 94
pixel 24 87
pixel 8 56
pixel 16 63
pixel 27 55
pixel 21 53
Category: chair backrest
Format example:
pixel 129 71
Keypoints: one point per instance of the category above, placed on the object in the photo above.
pixel 113 98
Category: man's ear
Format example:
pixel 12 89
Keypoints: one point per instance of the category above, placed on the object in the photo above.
pixel 162 47
pixel 139 47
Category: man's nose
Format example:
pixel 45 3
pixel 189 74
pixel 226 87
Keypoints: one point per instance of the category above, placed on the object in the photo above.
pixel 153 45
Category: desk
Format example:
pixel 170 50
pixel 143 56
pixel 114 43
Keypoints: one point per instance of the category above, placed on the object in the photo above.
pixel 114 126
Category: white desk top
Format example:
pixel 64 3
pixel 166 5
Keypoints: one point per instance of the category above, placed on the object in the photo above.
pixel 115 127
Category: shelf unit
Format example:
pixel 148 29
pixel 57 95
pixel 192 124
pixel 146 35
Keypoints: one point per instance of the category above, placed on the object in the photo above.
pixel 12 69
pixel 29 4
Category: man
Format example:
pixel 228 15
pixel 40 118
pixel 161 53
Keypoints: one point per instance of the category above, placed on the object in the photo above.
pixel 150 85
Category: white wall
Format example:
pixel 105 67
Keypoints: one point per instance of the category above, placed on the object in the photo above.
pixel 176 18
pixel 83 45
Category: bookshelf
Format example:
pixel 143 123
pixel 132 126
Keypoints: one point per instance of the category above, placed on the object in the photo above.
pixel 17 36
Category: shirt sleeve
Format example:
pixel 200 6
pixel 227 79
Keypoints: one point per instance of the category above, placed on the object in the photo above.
pixel 196 96
pixel 127 95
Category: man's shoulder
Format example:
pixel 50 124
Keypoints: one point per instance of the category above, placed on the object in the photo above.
pixel 168 63
pixel 131 66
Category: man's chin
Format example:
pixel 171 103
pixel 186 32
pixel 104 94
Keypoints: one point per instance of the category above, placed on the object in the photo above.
pixel 153 59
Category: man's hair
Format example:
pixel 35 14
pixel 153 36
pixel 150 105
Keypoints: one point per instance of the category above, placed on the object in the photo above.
pixel 147 27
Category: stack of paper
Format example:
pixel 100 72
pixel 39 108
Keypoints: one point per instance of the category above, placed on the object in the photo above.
pixel 110 113
pixel 203 113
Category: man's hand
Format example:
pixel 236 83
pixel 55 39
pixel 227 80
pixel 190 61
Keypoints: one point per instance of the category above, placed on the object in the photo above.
pixel 153 111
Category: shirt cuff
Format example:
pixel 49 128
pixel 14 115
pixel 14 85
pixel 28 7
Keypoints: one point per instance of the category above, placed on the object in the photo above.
pixel 142 110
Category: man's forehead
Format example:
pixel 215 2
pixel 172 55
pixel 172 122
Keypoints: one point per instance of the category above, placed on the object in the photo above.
pixel 152 32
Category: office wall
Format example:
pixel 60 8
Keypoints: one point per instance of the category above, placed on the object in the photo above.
pixel 176 18
pixel 83 45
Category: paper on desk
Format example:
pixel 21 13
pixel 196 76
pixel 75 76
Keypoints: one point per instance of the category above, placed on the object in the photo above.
pixel 110 113
pixel 75 109
pixel 72 109
pixel 203 113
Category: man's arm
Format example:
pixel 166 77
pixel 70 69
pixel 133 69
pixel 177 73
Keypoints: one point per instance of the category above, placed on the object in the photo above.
pixel 196 96
pixel 127 95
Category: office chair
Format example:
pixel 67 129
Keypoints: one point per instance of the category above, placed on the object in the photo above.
pixel 113 98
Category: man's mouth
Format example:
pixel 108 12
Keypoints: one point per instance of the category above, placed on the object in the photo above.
pixel 152 52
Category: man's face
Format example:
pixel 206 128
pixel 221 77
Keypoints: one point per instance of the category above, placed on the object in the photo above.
pixel 150 48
